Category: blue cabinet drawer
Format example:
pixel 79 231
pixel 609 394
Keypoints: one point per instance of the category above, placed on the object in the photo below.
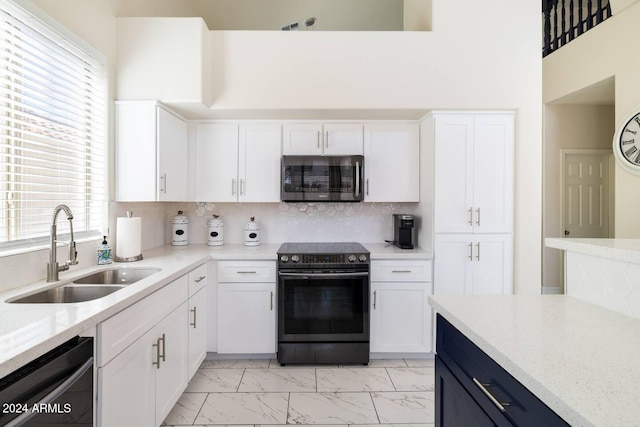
pixel 505 400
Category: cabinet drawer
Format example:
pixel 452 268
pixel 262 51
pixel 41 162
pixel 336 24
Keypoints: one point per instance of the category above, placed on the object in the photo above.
pixel 119 331
pixel 476 371
pixel 197 279
pixel 243 271
pixel 400 271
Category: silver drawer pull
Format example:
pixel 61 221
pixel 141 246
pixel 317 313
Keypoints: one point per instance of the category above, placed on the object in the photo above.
pixel 194 310
pixel 200 279
pixel 478 219
pixel 483 388
pixel 401 271
pixel 246 272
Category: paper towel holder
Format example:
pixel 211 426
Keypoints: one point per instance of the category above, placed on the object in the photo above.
pixel 131 258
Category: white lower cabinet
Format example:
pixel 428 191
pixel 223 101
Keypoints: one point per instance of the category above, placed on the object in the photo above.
pixel 197 330
pixel 146 353
pixel 473 264
pixel 246 307
pixel 140 385
pixel 401 318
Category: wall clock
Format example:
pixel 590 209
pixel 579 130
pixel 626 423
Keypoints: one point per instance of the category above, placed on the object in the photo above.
pixel 626 142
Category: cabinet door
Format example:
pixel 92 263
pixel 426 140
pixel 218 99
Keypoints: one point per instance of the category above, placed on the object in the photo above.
pixel 400 317
pixel 171 376
pixel 172 157
pixel 259 163
pixel 493 174
pixel 392 163
pixel 343 139
pixel 473 264
pixel 453 174
pixel 198 317
pixel 302 139
pixel 251 329
pixel 216 162
pixel 492 264
pixel 453 270
pixel 135 166
pixel 126 384
pixel 455 407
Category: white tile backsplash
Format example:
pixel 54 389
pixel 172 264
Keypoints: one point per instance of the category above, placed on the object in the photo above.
pixel 279 222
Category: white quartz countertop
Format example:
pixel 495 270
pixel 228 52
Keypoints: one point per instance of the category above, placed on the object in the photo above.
pixel 626 250
pixel 27 331
pixel 579 359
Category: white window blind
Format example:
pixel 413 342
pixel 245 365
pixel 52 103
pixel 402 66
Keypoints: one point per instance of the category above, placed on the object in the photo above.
pixel 52 131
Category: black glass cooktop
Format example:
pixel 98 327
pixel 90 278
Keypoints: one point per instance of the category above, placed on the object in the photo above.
pixel 323 248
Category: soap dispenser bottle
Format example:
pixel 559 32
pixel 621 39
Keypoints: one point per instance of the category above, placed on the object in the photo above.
pixel 104 252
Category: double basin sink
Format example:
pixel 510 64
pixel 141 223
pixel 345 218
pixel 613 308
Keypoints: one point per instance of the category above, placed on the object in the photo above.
pixel 87 288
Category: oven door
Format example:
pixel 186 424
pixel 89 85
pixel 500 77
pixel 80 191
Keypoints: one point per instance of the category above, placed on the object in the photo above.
pixel 328 306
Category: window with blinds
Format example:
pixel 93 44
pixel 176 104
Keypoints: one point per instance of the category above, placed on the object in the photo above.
pixel 52 131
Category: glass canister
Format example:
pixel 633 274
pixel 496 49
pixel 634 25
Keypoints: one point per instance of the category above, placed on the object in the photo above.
pixel 216 231
pixel 180 228
pixel 252 233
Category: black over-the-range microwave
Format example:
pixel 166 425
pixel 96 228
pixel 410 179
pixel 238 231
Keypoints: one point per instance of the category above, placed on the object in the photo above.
pixel 322 178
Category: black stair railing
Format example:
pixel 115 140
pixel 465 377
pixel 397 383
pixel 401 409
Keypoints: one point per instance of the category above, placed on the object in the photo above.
pixel 564 20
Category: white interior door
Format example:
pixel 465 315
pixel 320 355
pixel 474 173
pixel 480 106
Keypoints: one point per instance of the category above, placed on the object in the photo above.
pixel 586 194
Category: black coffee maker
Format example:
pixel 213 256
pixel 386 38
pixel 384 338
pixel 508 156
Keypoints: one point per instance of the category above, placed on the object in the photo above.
pixel 403 231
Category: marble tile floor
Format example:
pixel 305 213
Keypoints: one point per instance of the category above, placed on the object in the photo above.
pixel 261 392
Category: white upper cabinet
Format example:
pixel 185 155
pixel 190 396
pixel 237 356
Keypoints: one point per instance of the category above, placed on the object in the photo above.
pixel 259 163
pixel 216 162
pixel 474 172
pixel 391 162
pixel 151 153
pixel 330 139
pixel 238 163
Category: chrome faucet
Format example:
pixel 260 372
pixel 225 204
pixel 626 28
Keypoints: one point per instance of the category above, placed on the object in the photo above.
pixel 52 267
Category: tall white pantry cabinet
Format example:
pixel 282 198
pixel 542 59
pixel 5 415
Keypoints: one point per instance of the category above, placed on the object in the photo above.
pixel 473 201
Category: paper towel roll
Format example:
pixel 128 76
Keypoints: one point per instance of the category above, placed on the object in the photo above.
pixel 129 237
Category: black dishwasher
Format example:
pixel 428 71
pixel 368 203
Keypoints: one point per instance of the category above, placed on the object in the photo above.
pixel 55 389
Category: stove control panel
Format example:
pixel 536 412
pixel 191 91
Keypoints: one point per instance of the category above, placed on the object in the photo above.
pixel 323 258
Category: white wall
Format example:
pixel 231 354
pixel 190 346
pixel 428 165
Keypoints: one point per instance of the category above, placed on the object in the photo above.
pixel 567 126
pixel 603 52
pixel 465 63
pixel 475 60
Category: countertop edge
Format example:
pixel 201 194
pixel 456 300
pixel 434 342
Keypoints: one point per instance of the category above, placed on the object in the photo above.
pixel 185 257
pixel 625 250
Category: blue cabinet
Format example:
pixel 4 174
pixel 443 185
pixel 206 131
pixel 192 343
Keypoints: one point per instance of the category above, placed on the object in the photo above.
pixel 472 389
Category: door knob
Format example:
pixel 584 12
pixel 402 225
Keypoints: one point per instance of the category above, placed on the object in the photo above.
pixel 566 232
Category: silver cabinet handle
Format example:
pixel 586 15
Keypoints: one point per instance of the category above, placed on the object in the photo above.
pixel 318 138
pixel 401 271
pixel 478 251
pixel 483 389
pixel 195 316
pixel 367 186
pixel 233 187
pixel 200 279
pixel 246 272
pixel 164 349
pixel 357 178
pixel 374 299
pixel 470 216
pixel 478 217
pixel 157 346
pixel 271 295
pixel 470 251
pixel 241 187
pixel 163 183
pixel 327 140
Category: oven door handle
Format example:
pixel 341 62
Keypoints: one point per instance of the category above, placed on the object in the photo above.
pixel 358 274
pixel 57 392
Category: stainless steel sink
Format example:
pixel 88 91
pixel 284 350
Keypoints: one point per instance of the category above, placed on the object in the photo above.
pixel 88 288
pixel 68 294
pixel 116 276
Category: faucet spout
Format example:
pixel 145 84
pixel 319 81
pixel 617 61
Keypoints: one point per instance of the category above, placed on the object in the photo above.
pixel 52 267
